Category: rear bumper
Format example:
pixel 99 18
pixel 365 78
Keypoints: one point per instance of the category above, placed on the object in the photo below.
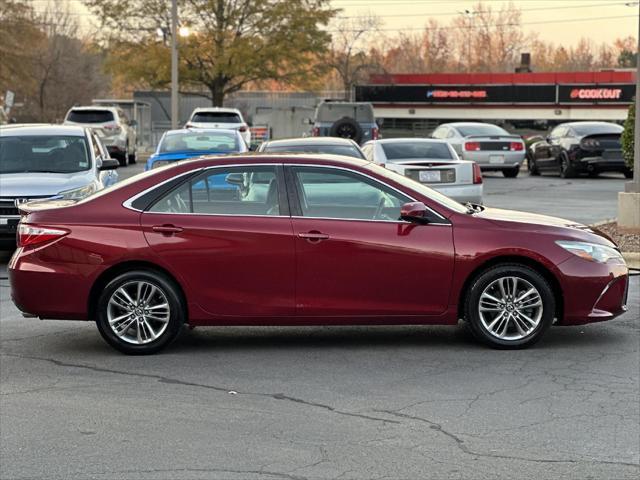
pixel 593 292
pixel 495 161
pixel 599 164
pixel 461 193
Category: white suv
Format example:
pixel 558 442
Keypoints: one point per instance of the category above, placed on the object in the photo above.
pixel 218 117
pixel 113 127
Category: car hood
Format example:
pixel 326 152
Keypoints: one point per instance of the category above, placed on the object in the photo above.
pixel 36 184
pixel 538 222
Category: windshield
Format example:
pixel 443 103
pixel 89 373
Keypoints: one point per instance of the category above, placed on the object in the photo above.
pixel 418 187
pixel 591 128
pixel 90 116
pixel 216 117
pixel 417 150
pixel 481 129
pixel 346 150
pixel 44 153
pixel 200 142
pixel 330 112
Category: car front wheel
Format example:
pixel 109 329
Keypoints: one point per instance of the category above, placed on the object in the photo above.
pixel 509 306
pixel 140 312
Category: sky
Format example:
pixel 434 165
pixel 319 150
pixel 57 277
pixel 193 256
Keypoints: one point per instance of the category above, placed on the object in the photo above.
pixel 558 21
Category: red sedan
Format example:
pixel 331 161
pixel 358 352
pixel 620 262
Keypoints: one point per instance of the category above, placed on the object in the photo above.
pixel 304 240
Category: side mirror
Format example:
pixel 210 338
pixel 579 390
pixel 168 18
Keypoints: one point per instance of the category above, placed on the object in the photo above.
pixel 108 164
pixel 235 179
pixel 414 212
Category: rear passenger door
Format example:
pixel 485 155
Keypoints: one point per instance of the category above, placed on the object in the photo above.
pixel 227 234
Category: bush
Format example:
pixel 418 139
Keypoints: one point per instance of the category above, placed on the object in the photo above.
pixel 627 136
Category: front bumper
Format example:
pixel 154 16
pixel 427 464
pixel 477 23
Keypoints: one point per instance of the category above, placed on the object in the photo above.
pixel 592 292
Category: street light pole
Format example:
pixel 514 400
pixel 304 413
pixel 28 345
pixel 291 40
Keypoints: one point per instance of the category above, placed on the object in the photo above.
pixel 174 64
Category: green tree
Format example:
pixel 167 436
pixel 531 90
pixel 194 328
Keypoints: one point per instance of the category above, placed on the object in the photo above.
pixel 626 139
pixel 232 42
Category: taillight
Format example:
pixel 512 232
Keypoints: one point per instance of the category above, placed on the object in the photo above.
pixel 31 235
pixel 477 174
pixel 590 143
pixel 112 127
pixel 516 146
pixel 472 146
pixel 243 128
pixel 374 133
pixel 315 132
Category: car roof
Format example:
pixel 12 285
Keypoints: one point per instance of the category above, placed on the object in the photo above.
pixel 289 142
pixel 42 129
pixel 467 124
pixel 216 109
pixel 94 107
pixel 185 131
pixel 277 157
pixel 593 124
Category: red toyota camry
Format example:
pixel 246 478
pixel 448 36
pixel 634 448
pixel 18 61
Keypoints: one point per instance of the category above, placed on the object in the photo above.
pixel 304 240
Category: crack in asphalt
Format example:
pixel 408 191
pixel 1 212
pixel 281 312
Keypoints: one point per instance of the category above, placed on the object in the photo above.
pixel 459 442
pixel 173 381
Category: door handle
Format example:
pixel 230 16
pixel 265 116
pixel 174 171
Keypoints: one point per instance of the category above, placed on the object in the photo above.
pixel 167 229
pixel 313 236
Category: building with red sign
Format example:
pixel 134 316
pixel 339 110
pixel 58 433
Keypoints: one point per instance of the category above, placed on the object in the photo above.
pixel 416 103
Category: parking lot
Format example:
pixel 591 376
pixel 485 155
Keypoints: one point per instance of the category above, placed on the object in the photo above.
pixel 330 402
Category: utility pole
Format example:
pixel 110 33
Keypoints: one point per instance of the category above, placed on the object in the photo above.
pixel 174 65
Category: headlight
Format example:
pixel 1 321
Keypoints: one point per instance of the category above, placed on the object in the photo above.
pixel 160 163
pixel 591 251
pixel 79 193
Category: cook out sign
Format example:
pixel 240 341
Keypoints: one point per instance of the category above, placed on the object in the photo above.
pixel 596 93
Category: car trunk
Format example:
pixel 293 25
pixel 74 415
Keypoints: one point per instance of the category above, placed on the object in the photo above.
pixel 605 145
pixel 435 172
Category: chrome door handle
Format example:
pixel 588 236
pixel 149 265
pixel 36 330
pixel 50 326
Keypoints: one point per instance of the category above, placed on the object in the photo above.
pixel 167 229
pixel 314 236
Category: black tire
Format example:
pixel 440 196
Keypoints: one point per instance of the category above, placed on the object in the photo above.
pixel 484 281
pixel 511 172
pixel 133 157
pixel 122 159
pixel 628 173
pixel 346 127
pixel 176 314
pixel 566 169
pixel 532 166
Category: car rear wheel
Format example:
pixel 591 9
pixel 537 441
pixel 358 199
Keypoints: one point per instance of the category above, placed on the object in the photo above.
pixel 133 157
pixel 140 312
pixel 532 166
pixel 511 172
pixel 509 306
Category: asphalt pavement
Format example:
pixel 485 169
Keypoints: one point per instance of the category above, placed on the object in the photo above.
pixel 330 402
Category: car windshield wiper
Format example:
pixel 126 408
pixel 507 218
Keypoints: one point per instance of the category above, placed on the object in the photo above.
pixel 473 208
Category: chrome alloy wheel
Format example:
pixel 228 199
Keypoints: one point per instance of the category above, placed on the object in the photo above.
pixel 138 312
pixel 510 308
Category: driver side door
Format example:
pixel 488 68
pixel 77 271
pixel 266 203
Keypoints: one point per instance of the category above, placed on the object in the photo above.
pixel 356 258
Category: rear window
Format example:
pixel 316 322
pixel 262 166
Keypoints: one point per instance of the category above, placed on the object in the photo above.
pixel 416 150
pixel 200 142
pixel 330 112
pixel 216 117
pixel 590 129
pixel 481 130
pixel 90 116
pixel 346 150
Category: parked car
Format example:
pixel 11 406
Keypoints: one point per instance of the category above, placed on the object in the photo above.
pixel 113 127
pixel 48 161
pixel 430 162
pixel 190 143
pixel 328 145
pixel 353 120
pixel 575 148
pixel 218 117
pixel 310 240
pixel 490 146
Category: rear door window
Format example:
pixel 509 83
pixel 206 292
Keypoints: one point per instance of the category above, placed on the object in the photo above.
pixel 90 116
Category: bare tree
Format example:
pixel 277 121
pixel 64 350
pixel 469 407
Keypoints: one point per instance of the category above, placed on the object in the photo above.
pixel 349 53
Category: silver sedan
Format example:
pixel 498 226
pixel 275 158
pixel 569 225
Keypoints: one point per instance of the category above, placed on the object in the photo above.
pixel 491 147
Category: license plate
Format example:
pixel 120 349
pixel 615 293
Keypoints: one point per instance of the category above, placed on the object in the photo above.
pixel 430 176
pixel 496 158
pixel 612 154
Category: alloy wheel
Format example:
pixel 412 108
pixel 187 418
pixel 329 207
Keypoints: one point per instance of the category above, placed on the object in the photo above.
pixel 138 312
pixel 510 308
